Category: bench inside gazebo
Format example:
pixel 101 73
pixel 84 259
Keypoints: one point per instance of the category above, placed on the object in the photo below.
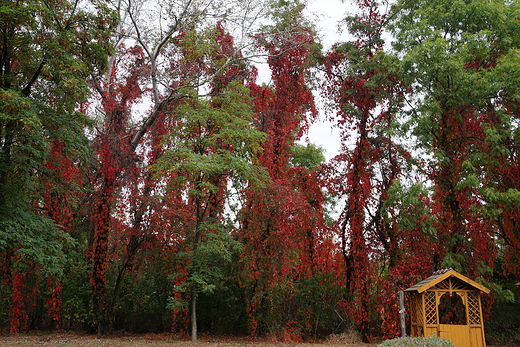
pixel 447 304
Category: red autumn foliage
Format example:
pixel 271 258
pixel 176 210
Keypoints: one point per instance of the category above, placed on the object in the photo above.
pixel 117 161
pixel 364 172
pixel 283 230
pixel 18 314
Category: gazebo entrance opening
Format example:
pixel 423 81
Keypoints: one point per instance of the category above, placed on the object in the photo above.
pixel 452 310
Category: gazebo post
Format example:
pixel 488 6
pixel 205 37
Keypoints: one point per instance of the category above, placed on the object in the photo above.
pixel 423 313
pixel 402 313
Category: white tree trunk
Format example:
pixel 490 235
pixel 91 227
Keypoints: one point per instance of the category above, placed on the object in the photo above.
pixel 193 315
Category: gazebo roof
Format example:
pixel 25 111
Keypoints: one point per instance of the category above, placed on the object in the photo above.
pixel 441 275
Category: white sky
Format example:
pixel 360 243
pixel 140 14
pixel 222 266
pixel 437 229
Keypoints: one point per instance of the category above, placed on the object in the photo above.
pixel 327 13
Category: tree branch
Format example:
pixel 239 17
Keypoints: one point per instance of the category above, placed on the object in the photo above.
pixel 27 90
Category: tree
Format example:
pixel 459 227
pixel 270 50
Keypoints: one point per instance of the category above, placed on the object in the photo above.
pixel 407 240
pixel 209 150
pixel 367 93
pixel 44 63
pixel 453 56
pixel 118 92
pixel 127 140
pixel 282 225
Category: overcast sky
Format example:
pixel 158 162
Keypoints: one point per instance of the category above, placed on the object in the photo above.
pixel 328 14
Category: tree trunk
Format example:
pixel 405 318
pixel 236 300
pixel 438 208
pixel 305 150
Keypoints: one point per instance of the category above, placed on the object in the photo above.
pixel 193 315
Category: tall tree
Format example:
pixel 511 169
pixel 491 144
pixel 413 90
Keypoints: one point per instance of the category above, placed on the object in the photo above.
pixel 128 139
pixel 209 150
pixel 453 56
pixel 281 223
pixel 117 162
pixel 47 51
pixel 366 94
pixel 498 157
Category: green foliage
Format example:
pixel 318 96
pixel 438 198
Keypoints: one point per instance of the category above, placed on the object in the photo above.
pixel 283 14
pixel 33 239
pixel 48 64
pixel 210 141
pixel 503 325
pixel 458 58
pixel 210 145
pixel 48 50
pixel 416 342
pixel 209 261
pixel 75 310
pixel 406 206
pixel 317 301
pixel 224 310
pixel 143 304
pixel 216 249
pixel 24 146
pixel 439 38
pixel 307 156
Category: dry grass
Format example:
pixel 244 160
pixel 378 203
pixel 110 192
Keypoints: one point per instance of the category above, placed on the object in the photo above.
pixel 55 340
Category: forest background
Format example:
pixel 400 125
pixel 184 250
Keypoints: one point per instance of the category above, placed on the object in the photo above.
pixel 150 183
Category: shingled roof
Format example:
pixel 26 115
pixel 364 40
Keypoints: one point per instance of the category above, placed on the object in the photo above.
pixel 441 275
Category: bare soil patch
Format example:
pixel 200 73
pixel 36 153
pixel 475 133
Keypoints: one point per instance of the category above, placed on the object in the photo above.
pixel 64 339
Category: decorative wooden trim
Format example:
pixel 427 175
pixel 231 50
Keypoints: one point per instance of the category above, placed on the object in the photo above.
pixel 435 279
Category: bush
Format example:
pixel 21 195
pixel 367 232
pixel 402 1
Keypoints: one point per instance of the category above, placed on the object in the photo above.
pixel 416 342
pixel 503 325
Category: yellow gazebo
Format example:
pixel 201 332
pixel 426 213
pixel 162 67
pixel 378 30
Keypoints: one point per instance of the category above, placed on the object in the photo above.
pixel 447 304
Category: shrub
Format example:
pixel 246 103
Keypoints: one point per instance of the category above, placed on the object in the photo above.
pixel 416 342
pixel 503 325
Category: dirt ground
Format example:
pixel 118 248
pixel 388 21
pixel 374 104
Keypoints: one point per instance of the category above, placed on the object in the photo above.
pixel 55 340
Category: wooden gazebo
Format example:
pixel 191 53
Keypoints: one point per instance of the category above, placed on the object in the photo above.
pixel 447 304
